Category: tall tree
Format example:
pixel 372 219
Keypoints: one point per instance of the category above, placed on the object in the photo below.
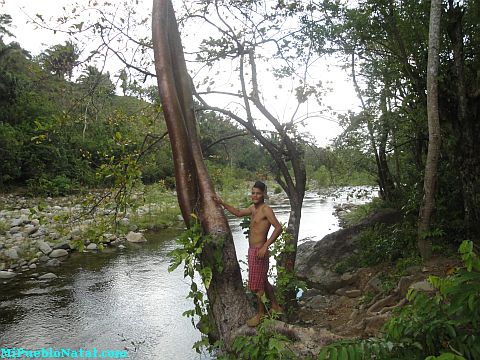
pixel 227 299
pixel 430 177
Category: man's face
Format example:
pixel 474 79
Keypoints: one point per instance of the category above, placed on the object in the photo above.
pixel 257 195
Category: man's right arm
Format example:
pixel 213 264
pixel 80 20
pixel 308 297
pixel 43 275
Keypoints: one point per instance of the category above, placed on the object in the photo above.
pixel 233 210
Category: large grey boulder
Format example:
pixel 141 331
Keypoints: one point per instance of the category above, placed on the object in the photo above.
pixel 315 260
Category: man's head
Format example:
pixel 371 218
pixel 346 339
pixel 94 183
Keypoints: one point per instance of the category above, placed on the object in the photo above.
pixel 259 192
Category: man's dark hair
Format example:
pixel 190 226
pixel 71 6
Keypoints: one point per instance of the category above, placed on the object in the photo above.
pixel 260 185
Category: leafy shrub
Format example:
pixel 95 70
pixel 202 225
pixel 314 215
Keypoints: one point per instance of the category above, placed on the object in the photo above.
pixel 267 344
pixel 444 326
pixel 386 243
pixel 362 211
pixel 58 186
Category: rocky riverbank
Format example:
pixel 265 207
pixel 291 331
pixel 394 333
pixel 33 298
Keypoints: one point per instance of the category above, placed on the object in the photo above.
pixel 353 304
pixel 38 235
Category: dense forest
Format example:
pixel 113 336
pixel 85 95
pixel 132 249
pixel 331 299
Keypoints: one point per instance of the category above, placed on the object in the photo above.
pixel 68 126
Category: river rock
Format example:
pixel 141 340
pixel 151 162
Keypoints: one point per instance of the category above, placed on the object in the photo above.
pixel 7 275
pixel 375 283
pixel 136 237
pixel 65 245
pixel 44 247
pixel 15 229
pixel 32 266
pixel 11 253
pixel 423 286
pixel 121 246
pixel 29 229
pixel 353 293
pixel 47 276
pixel 53 262
pixel 316 259
pixel 44 258
pixel 92 246
pixel 20 221
pixel 58 253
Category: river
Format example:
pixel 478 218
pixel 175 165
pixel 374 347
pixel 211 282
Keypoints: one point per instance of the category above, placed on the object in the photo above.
pixel 126 299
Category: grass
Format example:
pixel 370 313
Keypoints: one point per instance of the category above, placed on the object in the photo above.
pixel 3 227
pixel 157 208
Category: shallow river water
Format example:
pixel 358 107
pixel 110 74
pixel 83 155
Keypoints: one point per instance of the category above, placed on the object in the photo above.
pixel 126 300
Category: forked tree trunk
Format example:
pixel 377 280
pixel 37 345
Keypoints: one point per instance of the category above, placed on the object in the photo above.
pixel 226 295
pixel 429 185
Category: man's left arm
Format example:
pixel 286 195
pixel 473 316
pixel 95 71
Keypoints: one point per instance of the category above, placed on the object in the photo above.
pixel 275 234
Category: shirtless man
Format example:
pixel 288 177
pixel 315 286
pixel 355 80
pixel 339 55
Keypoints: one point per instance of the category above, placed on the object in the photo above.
pixel 262 217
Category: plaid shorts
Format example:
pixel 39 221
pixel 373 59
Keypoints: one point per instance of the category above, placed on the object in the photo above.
pixel 257 270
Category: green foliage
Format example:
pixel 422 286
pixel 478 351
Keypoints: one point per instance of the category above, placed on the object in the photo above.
pixel 445 325
pixel 386 243
pixel 363 350
pixel 339 167
pixel 381 243
pixel 191 253
pixel 450 319
pixel 10 150
pixel 358 213
pixel 267 344
pixel 3 227
pixel 58 186
pixel 286 281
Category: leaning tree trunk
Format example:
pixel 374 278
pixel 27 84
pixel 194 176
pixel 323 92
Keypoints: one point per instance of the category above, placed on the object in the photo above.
pixel 227 299
pixel 433 153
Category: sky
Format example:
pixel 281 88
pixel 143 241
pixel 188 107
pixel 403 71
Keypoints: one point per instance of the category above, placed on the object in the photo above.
pixel 324 128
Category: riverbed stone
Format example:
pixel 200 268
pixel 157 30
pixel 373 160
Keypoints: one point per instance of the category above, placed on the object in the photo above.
pixel 44 247
pixel 11 253
pixel 7 274
pixel 29 229
pixel 353 293
pixel 136 237
pixel 53 262
pixel 20 221
pixel 15 229
pixel 65 245
pixel 92 246
pixel 423 286
pixel 32 266
pixel 58 253
pixel 44 258
pixel 47 276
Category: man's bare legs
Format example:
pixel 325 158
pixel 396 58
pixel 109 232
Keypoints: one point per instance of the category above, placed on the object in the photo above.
pixel 254 321
pixel 271 297
pixel 261 310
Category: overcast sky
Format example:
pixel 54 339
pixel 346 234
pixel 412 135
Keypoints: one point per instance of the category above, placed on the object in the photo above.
pixel 341 99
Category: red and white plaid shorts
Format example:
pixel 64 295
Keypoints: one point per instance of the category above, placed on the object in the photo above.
pixel 257 270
